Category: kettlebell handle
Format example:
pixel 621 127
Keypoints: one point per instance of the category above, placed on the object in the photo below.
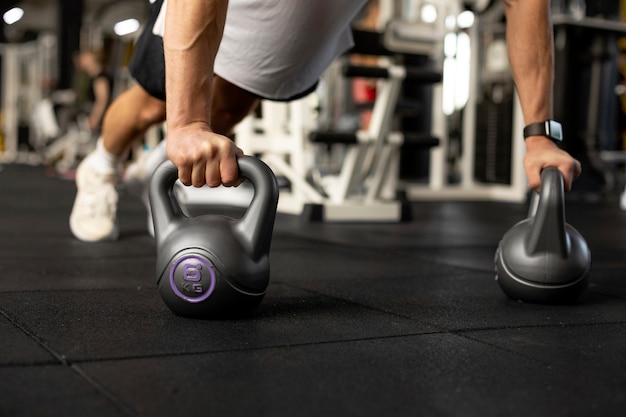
pixel 255 227
pixel 548 232
pixel 163 204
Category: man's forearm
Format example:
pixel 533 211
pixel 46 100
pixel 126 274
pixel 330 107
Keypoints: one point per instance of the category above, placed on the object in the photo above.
pixel 530 46
pixel 193 32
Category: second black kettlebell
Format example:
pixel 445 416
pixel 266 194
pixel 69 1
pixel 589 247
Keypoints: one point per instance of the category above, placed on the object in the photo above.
pixel 212 265
pixel 542 259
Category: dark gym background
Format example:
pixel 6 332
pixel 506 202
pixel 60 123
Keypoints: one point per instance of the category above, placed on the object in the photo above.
pixel 400 319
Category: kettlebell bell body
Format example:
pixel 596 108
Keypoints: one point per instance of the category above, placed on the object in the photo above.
pixel 213 265
pixel 542 259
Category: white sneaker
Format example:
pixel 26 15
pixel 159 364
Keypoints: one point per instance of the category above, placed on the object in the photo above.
pixel 94 215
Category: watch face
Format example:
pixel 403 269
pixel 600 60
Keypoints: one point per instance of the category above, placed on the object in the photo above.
pixel 555 130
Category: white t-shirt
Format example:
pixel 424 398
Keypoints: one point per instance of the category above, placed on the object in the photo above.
pixel 280 48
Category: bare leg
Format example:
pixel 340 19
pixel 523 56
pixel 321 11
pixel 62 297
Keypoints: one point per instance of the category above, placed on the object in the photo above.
pixel 94 214
pixel 128 118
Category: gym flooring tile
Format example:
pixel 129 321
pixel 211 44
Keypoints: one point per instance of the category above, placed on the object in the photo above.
pixel 358 320
pixel 17 347
pixel 436 374
pixel 106 324
pixel 52 390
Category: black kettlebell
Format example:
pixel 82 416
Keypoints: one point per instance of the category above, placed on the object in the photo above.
pixel 542 259
pixel 212 265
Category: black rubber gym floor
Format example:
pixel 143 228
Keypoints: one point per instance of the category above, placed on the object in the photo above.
pixel 359 320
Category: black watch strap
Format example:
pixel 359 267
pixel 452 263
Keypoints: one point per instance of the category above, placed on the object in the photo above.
pixel 550 129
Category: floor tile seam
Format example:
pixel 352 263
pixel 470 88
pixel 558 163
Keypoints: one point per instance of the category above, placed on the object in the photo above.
pixel 410 257
pixel 117 402
pixel 62 361
pixel 304 239
pixel 467 334
pixel 369 307
pixel 84 259
pixel 302 247
pixel 441 246
pixel 406 260
pixel 502 349
pixel 403 246
pixel 79 362
pixel 535 326
pixel 432 261
pixel 32 336
pixel 32 364
pixel 285 281
pixel 82 290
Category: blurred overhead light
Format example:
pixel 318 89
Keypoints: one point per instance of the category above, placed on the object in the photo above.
pixel 465 20
pixel 428 13
pixel 126 27
pixel 13 15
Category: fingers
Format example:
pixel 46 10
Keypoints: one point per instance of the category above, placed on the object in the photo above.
pixel 215 171
pixel 229 171
pixel 570 173
pixel 534 179
pixel 184 174
pixel 542 153
pixel 212 174
pixel 204 157
pixel 535 162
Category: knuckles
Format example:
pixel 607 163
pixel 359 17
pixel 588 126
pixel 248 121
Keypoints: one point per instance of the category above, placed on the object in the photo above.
pixel 205 162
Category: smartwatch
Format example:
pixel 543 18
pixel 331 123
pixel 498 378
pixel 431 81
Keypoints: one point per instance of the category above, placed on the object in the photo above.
pixel 550 129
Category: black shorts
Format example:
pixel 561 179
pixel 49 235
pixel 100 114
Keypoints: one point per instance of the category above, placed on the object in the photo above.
pixel 147 65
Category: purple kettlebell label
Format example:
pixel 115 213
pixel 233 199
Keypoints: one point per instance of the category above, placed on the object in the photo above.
pixel 192 278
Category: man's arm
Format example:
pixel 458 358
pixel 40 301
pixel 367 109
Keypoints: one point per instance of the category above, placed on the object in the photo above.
pixel 193 32
pixel 531 54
